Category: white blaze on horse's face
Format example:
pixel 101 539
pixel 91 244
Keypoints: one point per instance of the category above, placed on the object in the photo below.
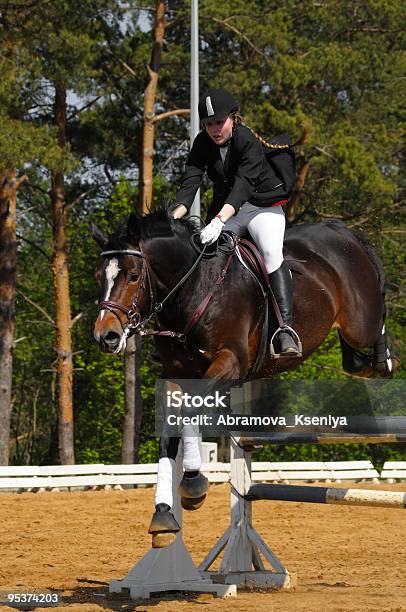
pixel 111 272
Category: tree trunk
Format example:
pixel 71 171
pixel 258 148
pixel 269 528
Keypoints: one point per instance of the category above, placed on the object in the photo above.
pixel 133 403
pixel 292 208
pixel 137 398
pixel 62 297
pixel 133 417
pixel 8 260
pixel 127 453
pixel 148 151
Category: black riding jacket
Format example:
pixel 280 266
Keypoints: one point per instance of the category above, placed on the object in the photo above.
pixel 245 175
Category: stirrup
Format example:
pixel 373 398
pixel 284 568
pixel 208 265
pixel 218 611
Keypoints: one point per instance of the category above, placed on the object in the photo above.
pixel 291 331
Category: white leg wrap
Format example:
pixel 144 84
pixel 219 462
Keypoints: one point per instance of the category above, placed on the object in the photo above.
pixel 166 474
pixel 191 451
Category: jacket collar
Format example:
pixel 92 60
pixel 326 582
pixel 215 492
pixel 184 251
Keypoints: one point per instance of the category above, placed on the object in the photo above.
pixel 220 168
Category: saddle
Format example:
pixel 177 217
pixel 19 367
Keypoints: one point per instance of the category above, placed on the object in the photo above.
pixel 253 259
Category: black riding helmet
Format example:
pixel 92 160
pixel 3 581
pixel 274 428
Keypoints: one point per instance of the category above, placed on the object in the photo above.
pixel 216 104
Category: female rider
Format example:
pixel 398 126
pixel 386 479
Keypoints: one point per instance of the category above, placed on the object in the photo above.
pixel 248 195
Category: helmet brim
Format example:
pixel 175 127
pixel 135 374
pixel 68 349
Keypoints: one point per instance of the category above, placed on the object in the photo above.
pixel 220 117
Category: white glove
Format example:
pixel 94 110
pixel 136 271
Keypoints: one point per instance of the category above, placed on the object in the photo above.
pixel 209 234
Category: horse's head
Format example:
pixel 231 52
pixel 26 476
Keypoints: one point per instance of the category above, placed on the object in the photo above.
pixel 122 277
pixel 137 265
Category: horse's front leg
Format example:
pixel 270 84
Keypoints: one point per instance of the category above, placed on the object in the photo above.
pixel 193 486
pixel 226 366
pixel 164 527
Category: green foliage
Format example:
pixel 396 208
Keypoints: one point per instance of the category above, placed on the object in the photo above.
pixel 149 451
pixel 335 65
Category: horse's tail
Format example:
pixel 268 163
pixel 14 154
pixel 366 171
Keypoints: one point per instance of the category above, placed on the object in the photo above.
pixel 383 363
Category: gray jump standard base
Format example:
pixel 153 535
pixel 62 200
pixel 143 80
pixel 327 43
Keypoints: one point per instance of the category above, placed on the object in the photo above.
pixel 171 568
pixel 244 549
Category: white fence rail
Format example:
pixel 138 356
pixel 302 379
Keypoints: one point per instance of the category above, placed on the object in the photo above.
pixel 56 477
pixel 394 471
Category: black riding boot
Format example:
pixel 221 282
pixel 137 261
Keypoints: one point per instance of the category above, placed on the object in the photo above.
pixel 281 285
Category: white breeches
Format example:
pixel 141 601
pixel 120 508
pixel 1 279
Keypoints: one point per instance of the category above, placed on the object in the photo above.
pixel 267 228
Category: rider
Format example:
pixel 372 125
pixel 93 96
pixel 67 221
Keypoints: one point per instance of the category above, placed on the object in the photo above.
pixel 247 194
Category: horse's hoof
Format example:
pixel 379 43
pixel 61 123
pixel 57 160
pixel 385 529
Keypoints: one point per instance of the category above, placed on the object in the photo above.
pixel 366 372
pixel 192 504
pixel 163 539
pixel 193 491
pixel 383 370
pixel 164 527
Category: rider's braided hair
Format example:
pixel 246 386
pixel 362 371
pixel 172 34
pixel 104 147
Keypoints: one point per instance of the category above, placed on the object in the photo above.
pixel 238 120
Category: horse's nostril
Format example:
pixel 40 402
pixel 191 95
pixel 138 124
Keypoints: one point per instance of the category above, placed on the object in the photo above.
pixel 111 338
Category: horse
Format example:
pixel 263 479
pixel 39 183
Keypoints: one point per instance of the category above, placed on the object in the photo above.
pixel 210 310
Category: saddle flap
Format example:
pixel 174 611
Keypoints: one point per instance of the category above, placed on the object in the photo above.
pixel 254 261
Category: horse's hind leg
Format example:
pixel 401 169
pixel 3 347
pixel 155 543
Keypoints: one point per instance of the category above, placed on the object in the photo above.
pixel 363 365
pixel 384 364
pixel 355 362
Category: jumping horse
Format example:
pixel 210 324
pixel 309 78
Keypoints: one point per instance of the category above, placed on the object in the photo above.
pixel 209 309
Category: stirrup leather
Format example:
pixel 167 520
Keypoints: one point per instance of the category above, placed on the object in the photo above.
pixel 291 331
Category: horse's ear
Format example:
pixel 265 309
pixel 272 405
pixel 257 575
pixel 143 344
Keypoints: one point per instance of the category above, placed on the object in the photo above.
pixel 133 229
pixel 99 236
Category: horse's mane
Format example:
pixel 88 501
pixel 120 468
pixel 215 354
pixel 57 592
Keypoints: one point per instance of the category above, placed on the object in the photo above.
pixel 156 224
pixel 160 224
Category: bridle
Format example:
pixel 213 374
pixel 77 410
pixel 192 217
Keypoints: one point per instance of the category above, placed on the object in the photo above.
pixel 133 314
pixel 135 323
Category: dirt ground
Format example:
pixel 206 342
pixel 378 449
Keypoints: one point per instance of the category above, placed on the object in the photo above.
pixel 345 558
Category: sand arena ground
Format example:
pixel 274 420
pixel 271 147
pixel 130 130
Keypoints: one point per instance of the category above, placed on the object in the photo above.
pixel 345 558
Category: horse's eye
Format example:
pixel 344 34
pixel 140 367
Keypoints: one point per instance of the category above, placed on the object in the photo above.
pixel 133 277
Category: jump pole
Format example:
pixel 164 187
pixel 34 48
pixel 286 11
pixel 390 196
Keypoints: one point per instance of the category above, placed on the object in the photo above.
pixel 171 568
pixel 257 443
pixel 327 495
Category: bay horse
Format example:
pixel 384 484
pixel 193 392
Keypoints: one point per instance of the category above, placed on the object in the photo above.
pixel 209 311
